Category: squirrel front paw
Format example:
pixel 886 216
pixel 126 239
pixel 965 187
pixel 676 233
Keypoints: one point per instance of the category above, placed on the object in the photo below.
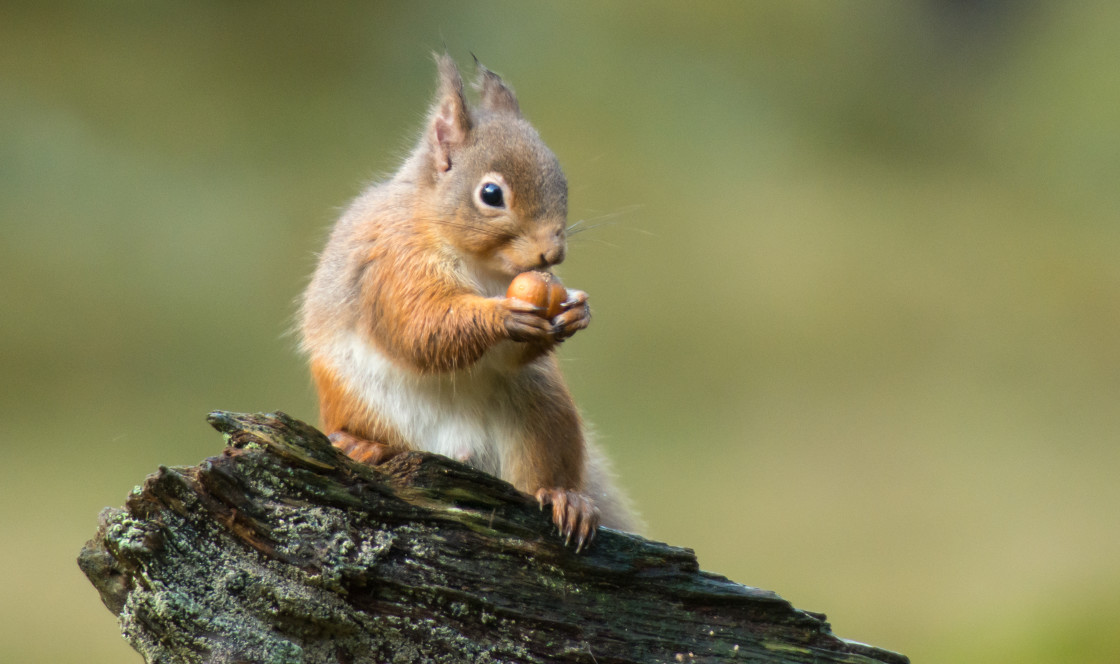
pixel 573 513
pixel 524 322
pixel 575 315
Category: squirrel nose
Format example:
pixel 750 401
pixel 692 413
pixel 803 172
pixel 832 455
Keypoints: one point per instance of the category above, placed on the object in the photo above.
pixel 553 256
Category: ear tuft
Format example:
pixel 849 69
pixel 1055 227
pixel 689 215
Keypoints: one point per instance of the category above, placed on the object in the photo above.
pixel 495 95
pixel 450 122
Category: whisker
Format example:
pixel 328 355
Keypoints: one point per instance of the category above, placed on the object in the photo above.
pixel 607 219
pixel 574 227
pixel 598 240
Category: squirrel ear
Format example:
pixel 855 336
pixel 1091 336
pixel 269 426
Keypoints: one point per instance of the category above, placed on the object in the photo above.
pixel 450 122
pixel 494 94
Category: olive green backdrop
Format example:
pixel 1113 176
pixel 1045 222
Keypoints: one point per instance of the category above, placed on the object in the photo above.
pixel 855 270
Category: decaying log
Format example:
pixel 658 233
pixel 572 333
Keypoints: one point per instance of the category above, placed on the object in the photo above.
pixel 283 550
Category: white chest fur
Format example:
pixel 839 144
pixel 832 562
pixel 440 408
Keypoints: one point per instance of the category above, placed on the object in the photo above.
pixel 466 415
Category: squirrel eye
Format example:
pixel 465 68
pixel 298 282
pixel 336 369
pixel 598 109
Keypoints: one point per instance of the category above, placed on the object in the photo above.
pixel 491 194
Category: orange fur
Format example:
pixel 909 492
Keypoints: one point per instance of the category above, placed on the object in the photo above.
pixel 412 342
pixel 342 411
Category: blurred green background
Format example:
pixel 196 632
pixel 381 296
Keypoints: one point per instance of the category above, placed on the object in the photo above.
pixel 855 268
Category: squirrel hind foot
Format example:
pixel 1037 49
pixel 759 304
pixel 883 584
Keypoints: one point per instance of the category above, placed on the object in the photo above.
pixel 360 449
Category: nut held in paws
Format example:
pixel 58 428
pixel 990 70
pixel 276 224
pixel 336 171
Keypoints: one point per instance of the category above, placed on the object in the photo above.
pixel 541 289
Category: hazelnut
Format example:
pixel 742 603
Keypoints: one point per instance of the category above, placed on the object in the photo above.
pixel 541 289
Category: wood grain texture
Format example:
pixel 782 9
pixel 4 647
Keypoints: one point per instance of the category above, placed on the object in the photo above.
pixel 283 550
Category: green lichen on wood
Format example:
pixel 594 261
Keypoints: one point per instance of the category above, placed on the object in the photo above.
pixel 283 550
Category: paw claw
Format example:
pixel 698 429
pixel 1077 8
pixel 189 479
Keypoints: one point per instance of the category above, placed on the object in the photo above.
pixel 587 532
pixel 523 322
pixel 575 316
pixel 574 515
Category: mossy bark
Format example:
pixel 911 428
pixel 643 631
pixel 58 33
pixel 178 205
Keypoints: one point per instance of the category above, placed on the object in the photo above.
pixel 283 550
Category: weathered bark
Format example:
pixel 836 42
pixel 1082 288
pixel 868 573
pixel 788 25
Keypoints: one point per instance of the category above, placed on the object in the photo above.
pixel 283 550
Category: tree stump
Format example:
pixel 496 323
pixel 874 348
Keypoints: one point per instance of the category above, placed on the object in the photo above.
pixel 283 550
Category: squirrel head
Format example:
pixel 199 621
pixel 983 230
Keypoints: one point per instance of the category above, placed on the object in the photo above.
pixel 492 188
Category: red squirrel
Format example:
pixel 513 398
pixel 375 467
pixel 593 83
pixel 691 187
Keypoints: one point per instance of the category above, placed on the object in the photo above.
pixel 413 343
